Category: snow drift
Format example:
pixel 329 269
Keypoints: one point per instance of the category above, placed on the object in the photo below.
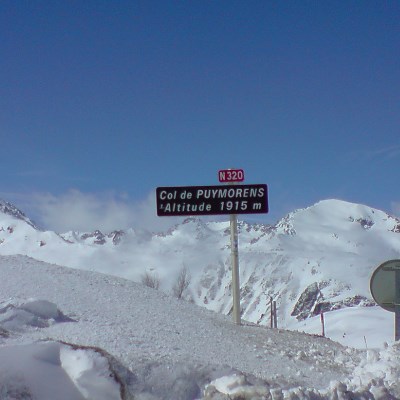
pixel 110 338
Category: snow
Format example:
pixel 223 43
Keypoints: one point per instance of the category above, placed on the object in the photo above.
pixel 42 308
pixel 87 335
pixel 90 373
pixel 359 327
pixel 95 336
pixel 332 242
pixel 45 369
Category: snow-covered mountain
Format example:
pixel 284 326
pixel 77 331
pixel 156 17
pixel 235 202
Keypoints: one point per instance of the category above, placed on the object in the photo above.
pixel 9 209
pixel 314 260
pixel 69 334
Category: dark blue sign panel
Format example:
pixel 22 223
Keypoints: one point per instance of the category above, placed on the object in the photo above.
pixel 212 200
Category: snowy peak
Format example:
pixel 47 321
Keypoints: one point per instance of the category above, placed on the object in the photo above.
pixel 9 209
pixel 337 215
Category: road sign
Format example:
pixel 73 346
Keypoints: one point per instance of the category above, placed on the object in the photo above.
pixel 385 289
pixel 212 200
pixel 231 175
pixel 217 200
pixel 383 284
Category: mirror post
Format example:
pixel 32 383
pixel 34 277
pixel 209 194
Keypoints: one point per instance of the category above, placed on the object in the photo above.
pixel 397 306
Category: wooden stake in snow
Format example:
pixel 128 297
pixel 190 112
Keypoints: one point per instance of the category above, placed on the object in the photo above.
pixel 323 324
pixel 272 312
pixel 274 322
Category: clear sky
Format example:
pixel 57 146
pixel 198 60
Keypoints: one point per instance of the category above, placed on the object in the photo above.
pixel 103 101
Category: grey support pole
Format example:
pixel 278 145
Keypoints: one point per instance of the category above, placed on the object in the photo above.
pixel 397 305
pixel 235 270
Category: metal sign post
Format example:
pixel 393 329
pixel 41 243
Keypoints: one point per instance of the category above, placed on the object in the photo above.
pixel 234 176
pixel 235 270
pixel 397 306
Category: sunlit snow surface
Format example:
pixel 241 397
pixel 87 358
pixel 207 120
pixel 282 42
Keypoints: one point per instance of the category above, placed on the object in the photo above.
pixel 146 344
pixel 360 327
pixel 333 243
pixel 101 337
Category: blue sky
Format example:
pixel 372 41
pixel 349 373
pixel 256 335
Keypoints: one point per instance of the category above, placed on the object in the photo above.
pixel 103 101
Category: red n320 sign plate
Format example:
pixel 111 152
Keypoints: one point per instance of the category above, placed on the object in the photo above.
pixel 231 175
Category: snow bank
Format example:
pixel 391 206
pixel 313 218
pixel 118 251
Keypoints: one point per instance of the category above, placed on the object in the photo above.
pixel 235 386
pixel 42 308
pixel 162 348
pixel 18 316
pixel 40 371
pixel 379 372
pixel 90 372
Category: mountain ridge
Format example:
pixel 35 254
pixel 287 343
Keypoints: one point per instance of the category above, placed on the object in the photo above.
pixel 316 259
pixel 11 210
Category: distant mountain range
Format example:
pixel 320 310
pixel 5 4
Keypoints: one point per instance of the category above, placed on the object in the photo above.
pixel 313 260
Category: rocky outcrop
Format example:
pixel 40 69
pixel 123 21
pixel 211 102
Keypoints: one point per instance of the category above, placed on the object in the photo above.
pixel 10 209
pixel 99 237
pixel 312 302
